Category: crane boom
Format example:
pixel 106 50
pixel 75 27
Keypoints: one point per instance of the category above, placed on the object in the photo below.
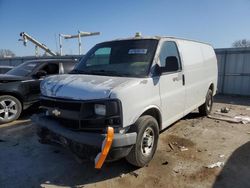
pixel 79 35
pixel 26 37
pixel 82 34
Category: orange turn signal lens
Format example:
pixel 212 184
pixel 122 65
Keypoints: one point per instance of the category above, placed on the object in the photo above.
pixel 106 145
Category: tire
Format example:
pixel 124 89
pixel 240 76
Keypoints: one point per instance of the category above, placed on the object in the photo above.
pixel 10 108
pixel 147 131
pixel 206 108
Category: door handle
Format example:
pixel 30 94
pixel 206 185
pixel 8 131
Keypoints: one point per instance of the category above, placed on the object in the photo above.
pixel 183 79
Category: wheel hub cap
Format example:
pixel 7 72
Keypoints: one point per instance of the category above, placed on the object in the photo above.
pixel 147 141
pixel 8 109
pixel 209 103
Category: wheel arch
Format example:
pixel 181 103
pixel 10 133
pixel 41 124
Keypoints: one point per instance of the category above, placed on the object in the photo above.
pixel 155 112
pixel 16 95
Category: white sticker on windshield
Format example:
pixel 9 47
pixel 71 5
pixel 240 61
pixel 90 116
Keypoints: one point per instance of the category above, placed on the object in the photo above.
pixel 32 65
pixel 137 51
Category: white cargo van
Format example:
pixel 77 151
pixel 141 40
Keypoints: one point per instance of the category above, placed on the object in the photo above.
pixel 123 92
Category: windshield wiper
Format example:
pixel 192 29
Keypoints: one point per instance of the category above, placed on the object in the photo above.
pixel 76 71
pixel 99 72
pixel 105 72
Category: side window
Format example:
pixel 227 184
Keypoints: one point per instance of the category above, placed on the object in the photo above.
pixel 168 49
pixel 100 57
pixel 51 68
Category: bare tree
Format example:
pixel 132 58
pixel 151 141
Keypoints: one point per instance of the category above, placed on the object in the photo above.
pixel 243 43
pixel 6 53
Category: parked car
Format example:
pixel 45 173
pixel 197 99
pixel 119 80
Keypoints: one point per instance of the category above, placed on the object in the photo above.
pixel 20 87
pixel 123 93
pixel 5 68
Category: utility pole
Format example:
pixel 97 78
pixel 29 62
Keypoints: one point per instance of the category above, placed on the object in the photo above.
pixel 78 35
pixel 26 37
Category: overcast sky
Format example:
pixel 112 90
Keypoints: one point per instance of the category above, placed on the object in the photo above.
pixel 219 22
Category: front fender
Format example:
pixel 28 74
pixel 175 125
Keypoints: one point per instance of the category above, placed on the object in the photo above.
pixel 139 114
pixel 136 98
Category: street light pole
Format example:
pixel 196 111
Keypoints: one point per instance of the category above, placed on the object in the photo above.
pixel 80 42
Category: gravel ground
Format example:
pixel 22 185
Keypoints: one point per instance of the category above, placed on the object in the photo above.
pixel 24 162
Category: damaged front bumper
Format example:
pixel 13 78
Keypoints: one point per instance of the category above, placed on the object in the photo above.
pixel 85 144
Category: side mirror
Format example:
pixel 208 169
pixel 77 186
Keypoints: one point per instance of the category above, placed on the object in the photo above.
pixel 40 74
pixel 171 64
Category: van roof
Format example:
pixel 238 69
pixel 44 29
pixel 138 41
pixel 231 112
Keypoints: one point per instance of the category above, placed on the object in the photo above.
pixel 158 38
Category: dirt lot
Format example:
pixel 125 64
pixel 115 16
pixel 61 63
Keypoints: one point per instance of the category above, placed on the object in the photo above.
pixel 24 162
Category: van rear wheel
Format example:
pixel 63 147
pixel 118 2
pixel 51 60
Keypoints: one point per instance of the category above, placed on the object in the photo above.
pixel 143 151
pixel 206 108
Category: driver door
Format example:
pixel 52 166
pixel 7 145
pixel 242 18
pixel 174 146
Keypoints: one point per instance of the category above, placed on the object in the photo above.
pixel 172 85
pixel 34 86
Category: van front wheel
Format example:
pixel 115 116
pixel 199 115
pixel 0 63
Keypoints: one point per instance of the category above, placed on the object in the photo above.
pixel 206 108
pixel 143 151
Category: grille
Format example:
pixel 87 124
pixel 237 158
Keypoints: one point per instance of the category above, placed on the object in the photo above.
pixel 68 105
pixel 79 115
pixel 63 105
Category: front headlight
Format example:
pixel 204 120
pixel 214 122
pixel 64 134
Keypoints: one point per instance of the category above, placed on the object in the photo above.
pixel 100 109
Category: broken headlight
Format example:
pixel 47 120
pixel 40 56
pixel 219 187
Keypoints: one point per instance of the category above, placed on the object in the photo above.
pixel 107 108
pixel 100 109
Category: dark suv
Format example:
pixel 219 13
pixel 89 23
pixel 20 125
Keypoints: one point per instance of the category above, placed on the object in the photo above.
pixel 5 68
pixel 20 87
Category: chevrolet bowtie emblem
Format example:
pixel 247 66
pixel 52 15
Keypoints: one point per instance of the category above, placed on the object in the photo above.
pixel 56 112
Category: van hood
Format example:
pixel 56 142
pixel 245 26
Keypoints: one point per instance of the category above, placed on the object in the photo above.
pixel 81 87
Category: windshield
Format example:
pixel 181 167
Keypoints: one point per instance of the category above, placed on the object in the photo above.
pixel 119 58
pixel 24 69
